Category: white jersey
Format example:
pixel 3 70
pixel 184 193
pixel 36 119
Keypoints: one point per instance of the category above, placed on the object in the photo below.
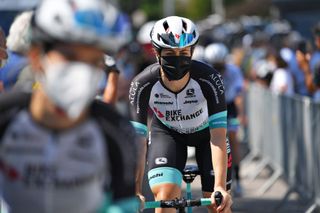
pixel 171 109
pixel 46 171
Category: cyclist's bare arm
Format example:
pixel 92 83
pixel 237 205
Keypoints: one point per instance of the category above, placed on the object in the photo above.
pixel 219 162
pixel 141 165
pixel 219 156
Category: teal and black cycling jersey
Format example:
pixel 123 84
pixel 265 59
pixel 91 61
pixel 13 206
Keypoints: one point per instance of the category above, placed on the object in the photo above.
pixel 180 119
pixel 200 104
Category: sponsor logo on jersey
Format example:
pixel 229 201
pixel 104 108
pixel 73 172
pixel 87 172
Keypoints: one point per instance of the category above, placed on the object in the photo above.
pixel 228 146
pixel 133 91
pixel 156 175
pixel 159 114
pixel 229 161
pixel 39 175
pixel 218 81
pixel 135 95
pixel 163 102
pixel 190 102
pixel 190 93
pixel 176 115
pixel 19 150
pixel 10 172
pixel 161 95
pixel 161 161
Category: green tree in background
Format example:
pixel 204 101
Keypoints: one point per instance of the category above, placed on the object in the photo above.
pixel 193 9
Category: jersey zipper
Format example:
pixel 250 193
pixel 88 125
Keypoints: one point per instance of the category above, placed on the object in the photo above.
pixel 177 108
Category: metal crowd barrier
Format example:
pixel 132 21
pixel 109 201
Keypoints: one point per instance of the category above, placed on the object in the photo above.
pixel 284 133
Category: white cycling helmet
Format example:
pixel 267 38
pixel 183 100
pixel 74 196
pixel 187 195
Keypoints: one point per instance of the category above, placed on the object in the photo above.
pixel 174 32
pixel 78 21
pixel 216 53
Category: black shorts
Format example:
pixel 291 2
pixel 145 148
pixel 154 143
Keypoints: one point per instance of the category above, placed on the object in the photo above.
pixel 168 149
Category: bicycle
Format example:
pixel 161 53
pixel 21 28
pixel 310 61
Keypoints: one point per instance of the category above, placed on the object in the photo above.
pixel 190 172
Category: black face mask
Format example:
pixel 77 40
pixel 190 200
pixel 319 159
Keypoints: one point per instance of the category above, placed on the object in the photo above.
pixel 175 67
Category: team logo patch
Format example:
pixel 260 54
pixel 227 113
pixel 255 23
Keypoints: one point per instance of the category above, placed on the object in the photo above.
pixel 161 161
pixel 159 114
pixel 190 93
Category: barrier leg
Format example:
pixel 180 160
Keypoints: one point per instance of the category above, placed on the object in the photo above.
pixel 263 164
pixel 312 208
pixel 248 159
pixel 274 177
pixel 284 199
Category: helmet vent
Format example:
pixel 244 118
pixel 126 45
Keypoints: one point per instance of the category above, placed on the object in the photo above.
pixel 184 25
pixel 165 25
pixel 57 18
pixel 194 33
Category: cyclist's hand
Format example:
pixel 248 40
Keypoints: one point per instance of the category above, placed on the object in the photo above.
pixel 225 206
pixel 142 200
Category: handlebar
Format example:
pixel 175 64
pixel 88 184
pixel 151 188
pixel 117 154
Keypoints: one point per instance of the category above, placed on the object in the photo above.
pixel 218 198
pixel 177 203
pixel 182 203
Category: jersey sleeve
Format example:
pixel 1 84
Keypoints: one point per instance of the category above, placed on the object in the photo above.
pixel 139 101
pixel 10 104
pixel 121 152
pixel 213 90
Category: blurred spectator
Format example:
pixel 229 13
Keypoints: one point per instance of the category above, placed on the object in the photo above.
pixel 282 82
pixel 3 53
pixel 303 61
pixel 216 55
pixel 315 57
pixel 316 81
pixel 147 53
pixel 18 43
pixel 296 69
pixel 264 72
pixel 126 64
pixel 198 53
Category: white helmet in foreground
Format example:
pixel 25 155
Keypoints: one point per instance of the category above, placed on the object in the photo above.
pixel 216 53
pixel 174 32
pixel 78 21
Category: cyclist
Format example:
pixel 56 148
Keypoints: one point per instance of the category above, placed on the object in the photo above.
pixel 60 150
pixel 216 55
pixel 188 104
